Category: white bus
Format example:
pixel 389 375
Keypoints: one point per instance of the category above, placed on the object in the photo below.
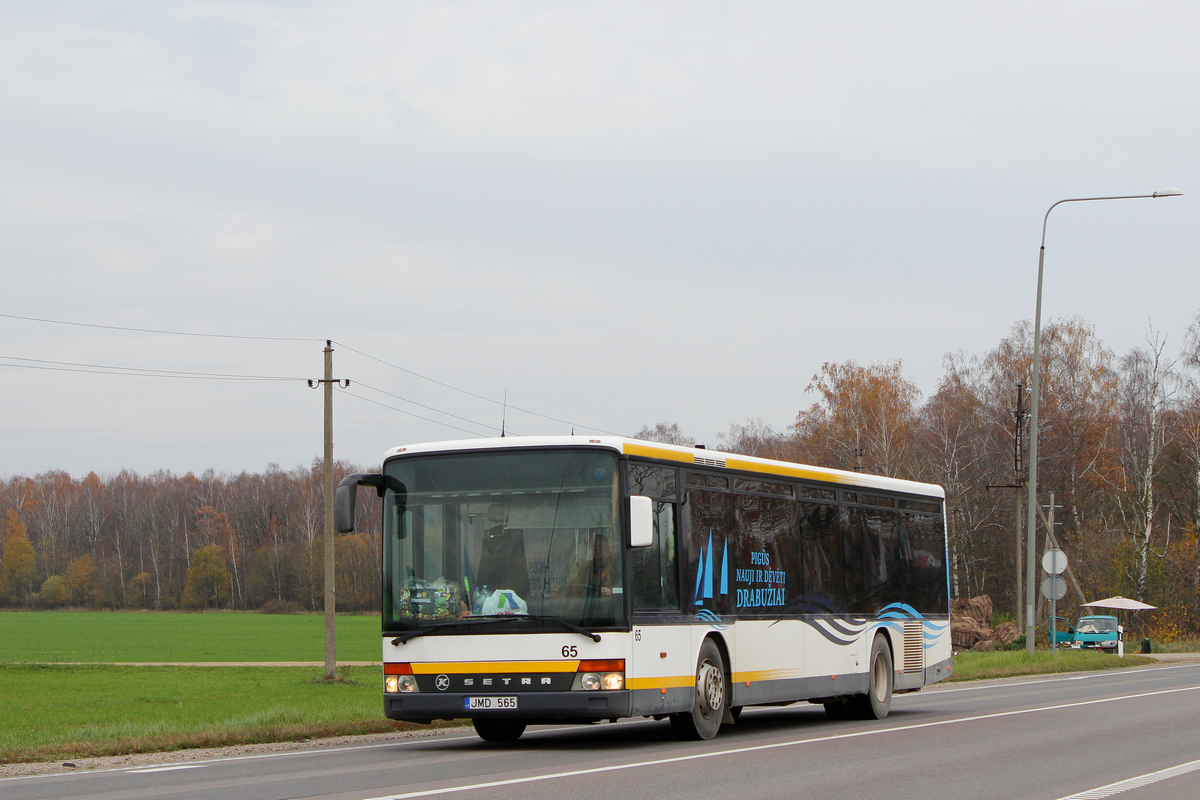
pixel 537 580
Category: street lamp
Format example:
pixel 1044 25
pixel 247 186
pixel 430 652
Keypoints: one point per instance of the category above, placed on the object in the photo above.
pixel 1031 512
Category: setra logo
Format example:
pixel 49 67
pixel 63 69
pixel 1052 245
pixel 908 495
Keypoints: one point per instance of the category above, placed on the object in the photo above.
pixel 442 682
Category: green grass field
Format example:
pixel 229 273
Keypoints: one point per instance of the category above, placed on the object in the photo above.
pixel 970 666
pixel 61 711
pixel 50 708
pixel 89 636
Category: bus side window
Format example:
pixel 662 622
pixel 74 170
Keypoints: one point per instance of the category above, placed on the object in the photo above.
pixel 656 568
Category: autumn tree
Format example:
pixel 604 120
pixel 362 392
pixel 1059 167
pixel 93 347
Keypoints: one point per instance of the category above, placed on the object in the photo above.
pixel 665 433
pixel 213 526
pixel 864 419
pixel 80 581
pixel 18 561
pixel 755 438
pixel 957 443
pixel 1145 391
pixel 207 583
pixel 53 594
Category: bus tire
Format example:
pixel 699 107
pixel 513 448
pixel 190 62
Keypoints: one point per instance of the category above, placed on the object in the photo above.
pixel 877 702
pixel 708 706
pixel 505 731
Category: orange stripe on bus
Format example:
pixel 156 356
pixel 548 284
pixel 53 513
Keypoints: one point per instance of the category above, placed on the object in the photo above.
pixel 766 675
pixel 461 667
pixel 669 682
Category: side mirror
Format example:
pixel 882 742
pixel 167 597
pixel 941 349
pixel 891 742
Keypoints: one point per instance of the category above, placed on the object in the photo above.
pixel 641 521
pixel 344 499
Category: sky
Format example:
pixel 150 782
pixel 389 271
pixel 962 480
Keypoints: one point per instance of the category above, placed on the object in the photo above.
pixel 557 217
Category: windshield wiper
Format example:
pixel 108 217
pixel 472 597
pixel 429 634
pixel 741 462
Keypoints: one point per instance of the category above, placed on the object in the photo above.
pixel 457 623
pixel 571 626
pixel 469 621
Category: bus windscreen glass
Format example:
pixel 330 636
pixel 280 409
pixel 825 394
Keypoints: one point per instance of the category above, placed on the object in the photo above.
pixel 529 535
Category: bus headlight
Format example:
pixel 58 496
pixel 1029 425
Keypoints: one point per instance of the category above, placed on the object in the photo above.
pixel 601 674
pixel 398 678
pixel 393 684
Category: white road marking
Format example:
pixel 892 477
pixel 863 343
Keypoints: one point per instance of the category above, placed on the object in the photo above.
pixel 1135 783
pixel 776 745
pixel 1026 680
pixel 167 769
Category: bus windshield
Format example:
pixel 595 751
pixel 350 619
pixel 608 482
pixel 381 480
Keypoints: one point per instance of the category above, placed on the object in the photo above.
pixel 527 534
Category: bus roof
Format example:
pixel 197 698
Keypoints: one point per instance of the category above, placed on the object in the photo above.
pixel 692 456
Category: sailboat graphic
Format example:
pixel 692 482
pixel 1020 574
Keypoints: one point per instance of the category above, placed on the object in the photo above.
pixel 704 575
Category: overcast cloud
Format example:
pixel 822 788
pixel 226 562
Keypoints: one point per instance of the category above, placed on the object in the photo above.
pixel 616 213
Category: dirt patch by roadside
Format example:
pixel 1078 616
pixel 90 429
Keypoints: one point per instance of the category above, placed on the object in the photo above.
pixel 1172 658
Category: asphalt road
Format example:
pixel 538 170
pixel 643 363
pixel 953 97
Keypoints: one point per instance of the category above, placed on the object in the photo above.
pixel 1131 735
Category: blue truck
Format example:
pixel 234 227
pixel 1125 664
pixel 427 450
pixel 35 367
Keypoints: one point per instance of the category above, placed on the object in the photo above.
pixel 1096 632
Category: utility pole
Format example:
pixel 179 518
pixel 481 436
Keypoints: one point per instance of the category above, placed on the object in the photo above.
pixel 330 597
pixel 1018 483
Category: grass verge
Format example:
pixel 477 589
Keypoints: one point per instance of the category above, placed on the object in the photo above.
pixel 108 636
pixel 971 666
pixel 50 712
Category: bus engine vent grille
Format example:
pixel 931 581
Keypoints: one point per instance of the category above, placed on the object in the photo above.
pixel 914 646
pixel 710 462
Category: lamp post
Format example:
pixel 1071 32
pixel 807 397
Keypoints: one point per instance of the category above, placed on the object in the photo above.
pixel 1031 511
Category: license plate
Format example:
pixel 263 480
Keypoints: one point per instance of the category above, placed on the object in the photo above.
pixel 489 703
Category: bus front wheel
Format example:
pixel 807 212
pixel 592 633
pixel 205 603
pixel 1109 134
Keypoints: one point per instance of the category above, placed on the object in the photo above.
pixel 499 730
pixel 877 702
pixel 708 705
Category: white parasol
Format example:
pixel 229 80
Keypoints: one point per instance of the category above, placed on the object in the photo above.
pixel 1120 602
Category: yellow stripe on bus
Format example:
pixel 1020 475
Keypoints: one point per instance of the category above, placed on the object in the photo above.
pixel 806 473
pixel 765 675
pixel 476 667
pixel 657 452
pixel 669 682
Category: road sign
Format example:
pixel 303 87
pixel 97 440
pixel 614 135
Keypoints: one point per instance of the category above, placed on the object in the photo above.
pixel 1054 588
pixel 1054 562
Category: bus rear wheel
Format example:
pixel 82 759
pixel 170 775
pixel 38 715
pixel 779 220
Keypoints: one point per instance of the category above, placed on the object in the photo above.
pixel 499 730
pixel 708 706
pixel 877 702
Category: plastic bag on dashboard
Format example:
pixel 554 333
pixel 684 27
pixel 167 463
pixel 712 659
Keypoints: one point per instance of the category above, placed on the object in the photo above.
pixel 504 601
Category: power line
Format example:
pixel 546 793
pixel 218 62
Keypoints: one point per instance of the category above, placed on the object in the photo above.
pixel 473 394
pixel 108 370
pixel 422 405
pixel 135 372
pixel 410 414
pixel 165 333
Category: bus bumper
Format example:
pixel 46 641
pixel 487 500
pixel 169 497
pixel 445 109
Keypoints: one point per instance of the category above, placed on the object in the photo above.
pixel 534 707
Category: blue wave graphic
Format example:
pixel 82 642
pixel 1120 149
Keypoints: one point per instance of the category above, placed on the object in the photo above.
pixel 899 611
pixel 704 615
